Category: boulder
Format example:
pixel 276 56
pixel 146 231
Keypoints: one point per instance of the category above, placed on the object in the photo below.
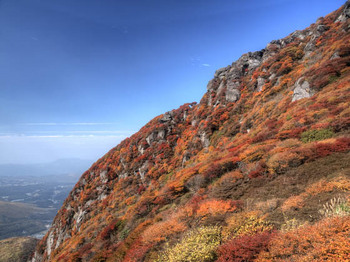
pixel 301 90
pixel 260 83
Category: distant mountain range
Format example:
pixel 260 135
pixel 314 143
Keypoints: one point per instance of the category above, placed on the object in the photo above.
pixel 70 166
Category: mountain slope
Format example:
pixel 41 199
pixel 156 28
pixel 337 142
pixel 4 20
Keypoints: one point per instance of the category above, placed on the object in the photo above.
pixel 263 159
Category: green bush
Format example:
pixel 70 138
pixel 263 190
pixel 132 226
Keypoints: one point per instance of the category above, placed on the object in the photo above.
pixel 316 135
pixel 198 245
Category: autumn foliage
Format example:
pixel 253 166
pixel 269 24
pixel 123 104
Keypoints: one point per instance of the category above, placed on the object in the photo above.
pixel 225 180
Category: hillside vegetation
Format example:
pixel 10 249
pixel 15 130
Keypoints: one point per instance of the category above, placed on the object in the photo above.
pixel 259 170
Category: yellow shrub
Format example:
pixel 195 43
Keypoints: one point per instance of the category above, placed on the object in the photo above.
pixel 198 245
pixel 245 224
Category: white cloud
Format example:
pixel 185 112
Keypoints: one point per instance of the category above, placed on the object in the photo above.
pixel 69 132
pixel 102 131
pixel 68 124
pixel 207 65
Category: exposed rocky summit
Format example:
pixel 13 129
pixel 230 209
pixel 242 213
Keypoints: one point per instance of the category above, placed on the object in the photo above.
pixel 266 148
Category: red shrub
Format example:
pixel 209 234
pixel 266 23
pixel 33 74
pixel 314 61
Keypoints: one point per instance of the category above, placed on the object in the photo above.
pixel 137 252
pixel 108 230
pixel 262 136
pixel 341 124
pixel 85 250
pixel 292 133
pixel 245 248
pixel 217 170
pixel 259 170
pixel 325 149
pixel 141 189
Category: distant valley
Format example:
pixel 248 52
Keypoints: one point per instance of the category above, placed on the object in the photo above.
pixel 29 200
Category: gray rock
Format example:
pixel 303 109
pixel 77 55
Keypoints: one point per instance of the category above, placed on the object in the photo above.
pixel 150 138
pixel 335 55
pixel 221 87
pixel 79 217
pixel 230 77
pixel 299 35
pixel 260 83
pixel 302 90
pixel 272 76
pixel 88 204
pixel 123 175
pixel 161 134
pixel 221 71
pixel 141 149
pixel 233 85
pixel 103 176
pixel 310 46
pixel 232 95
pixel 49 243
pixel 168 116
pixel 185 158
pixel 143 170
pixel 102 196
pixel 205 140
pixel 185 115
pixel 345 14
pixel 210 85
pixel 322 28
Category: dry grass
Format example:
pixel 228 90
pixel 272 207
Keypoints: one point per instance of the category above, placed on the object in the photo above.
pixel 17 249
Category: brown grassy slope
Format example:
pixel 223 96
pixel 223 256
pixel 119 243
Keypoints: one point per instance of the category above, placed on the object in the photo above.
pixel 17 249
pixel 12 210
pixel 269 194
pixel 18 217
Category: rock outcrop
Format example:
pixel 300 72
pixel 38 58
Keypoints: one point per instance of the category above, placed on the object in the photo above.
pixel 302 90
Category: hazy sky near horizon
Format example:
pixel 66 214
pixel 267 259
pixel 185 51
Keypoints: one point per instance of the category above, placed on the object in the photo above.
pixel 78 76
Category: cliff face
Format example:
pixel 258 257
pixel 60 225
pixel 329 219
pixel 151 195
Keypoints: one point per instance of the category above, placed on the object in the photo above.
pixel 269 128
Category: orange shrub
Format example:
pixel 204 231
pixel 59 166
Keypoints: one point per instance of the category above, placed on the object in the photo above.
pixel 293 202
pixel 327 240
pixel 216 207
pixel 340 183
pixel 162 230
pixel 278 163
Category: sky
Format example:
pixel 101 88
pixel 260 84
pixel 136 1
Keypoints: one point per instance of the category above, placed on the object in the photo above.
pixel 79 76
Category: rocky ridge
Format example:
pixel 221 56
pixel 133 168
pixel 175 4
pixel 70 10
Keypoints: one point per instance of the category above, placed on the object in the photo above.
pixel 176 154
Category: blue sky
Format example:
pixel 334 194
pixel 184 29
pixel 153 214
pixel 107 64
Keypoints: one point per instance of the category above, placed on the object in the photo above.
pixel 78 76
